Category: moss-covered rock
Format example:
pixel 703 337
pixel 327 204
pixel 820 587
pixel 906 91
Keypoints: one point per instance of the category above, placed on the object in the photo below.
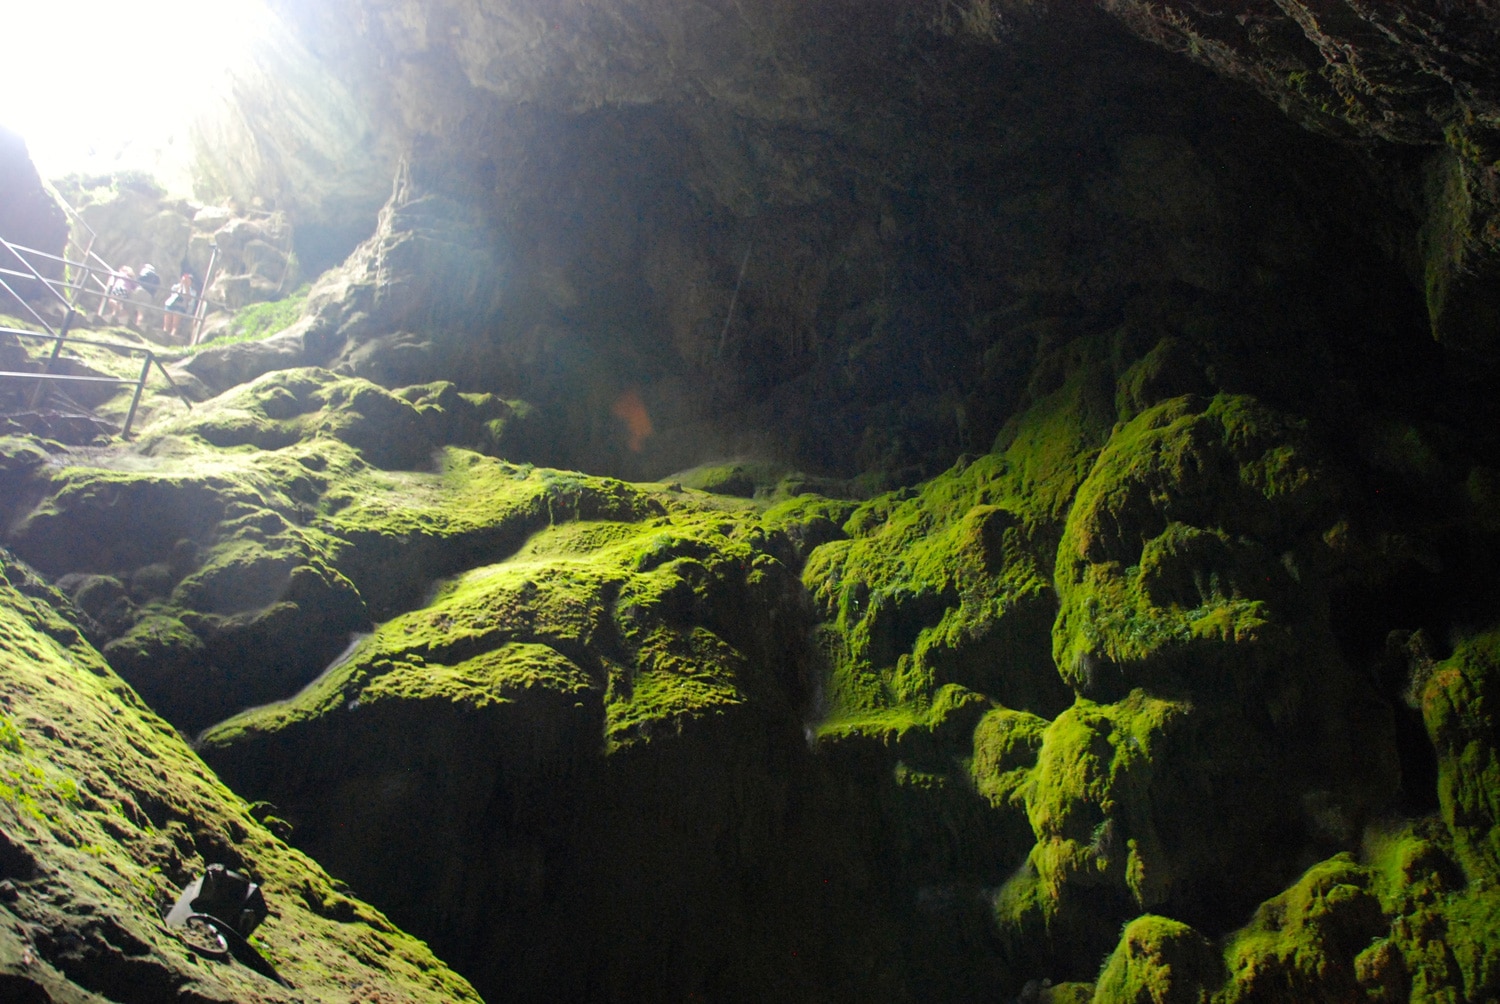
pixel 1300 943
pixel 615 691
pixel 1159 961
pixel 936 588
pixel 1396 923
pixel 1193 535
pixel 245 534
pixel 1460 703
pixel 106 814
pixel 1091 802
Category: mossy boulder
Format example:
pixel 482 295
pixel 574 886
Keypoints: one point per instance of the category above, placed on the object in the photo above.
pixel 394 430
pixel 1093 797
pixel 1461 705
pixel 1198 535
pixel 1300 943
pixel 1159 961
pixel 223 531
pixel 616 691
pixel 1395 922
pixel 229 601
pixel 106 814
pixel 937 587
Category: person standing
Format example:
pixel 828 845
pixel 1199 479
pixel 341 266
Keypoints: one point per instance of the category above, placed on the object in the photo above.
pixel 144 297
pixel 121 285
pixel 180 303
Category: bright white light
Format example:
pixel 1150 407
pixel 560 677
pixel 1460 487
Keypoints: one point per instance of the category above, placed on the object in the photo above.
pixel 98 86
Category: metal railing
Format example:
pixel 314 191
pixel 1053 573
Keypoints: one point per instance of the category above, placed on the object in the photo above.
pixel 88 272
pixel 60 336
pixel 59 339
pixel 100 287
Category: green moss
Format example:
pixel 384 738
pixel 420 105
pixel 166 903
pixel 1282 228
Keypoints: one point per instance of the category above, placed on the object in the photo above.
pixel 617 615
pixel 741 479
pixel 1159 961
pixel 1171 369
pixel 1170 544
pixel 1051 446
pixel 1461 706
pixel 1091 798
pixel 259 320
pixel 1300 943
pixel 1006 744
pixel 108 808
pixel 10 737
pixel 1402 926
pixel 937 587
pixel 496 675
pixel 288 407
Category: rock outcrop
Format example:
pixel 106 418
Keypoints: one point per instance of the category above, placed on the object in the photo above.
pixel 1416 74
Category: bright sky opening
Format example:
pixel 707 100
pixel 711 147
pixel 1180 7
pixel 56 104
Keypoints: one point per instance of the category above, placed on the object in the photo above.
pixel 98 86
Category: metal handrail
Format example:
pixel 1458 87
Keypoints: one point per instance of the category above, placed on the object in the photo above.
pixel 58 338
pixel 95 286
pixel 26 303
pixel 88 249
pixel 93 272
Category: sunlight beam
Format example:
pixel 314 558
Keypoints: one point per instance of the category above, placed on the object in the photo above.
pixel 97 87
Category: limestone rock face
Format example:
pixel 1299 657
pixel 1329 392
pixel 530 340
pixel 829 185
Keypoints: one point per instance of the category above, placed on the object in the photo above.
pixel 288 135
pixel 837 235
pixel 132 222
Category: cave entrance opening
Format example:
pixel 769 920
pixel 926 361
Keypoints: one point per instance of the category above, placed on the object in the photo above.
pixel 99 87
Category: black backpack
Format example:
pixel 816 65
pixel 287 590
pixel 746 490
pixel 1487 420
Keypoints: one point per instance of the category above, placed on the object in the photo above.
pixel 225 895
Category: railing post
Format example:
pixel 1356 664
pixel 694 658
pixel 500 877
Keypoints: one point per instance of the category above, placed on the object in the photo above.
pixel 57 344
pixel 201 307
pixel 84 276
pixel 135 399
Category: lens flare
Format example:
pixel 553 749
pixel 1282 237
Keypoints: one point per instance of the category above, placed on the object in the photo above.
pixel 630 409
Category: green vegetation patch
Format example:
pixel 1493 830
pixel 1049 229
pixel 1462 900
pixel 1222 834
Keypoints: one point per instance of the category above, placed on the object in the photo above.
pixel 261 320
pixel 1159 961
pixel 934 587
pixel 658 622
pixel 1092 799
pixel 500 674
pixel 1461 705
pixel 1187 541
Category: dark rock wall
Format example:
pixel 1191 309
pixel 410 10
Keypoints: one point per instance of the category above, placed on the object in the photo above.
pixel 852 259
pixel 1418 74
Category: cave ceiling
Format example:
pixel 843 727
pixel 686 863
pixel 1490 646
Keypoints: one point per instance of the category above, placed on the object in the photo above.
pixel 769 216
